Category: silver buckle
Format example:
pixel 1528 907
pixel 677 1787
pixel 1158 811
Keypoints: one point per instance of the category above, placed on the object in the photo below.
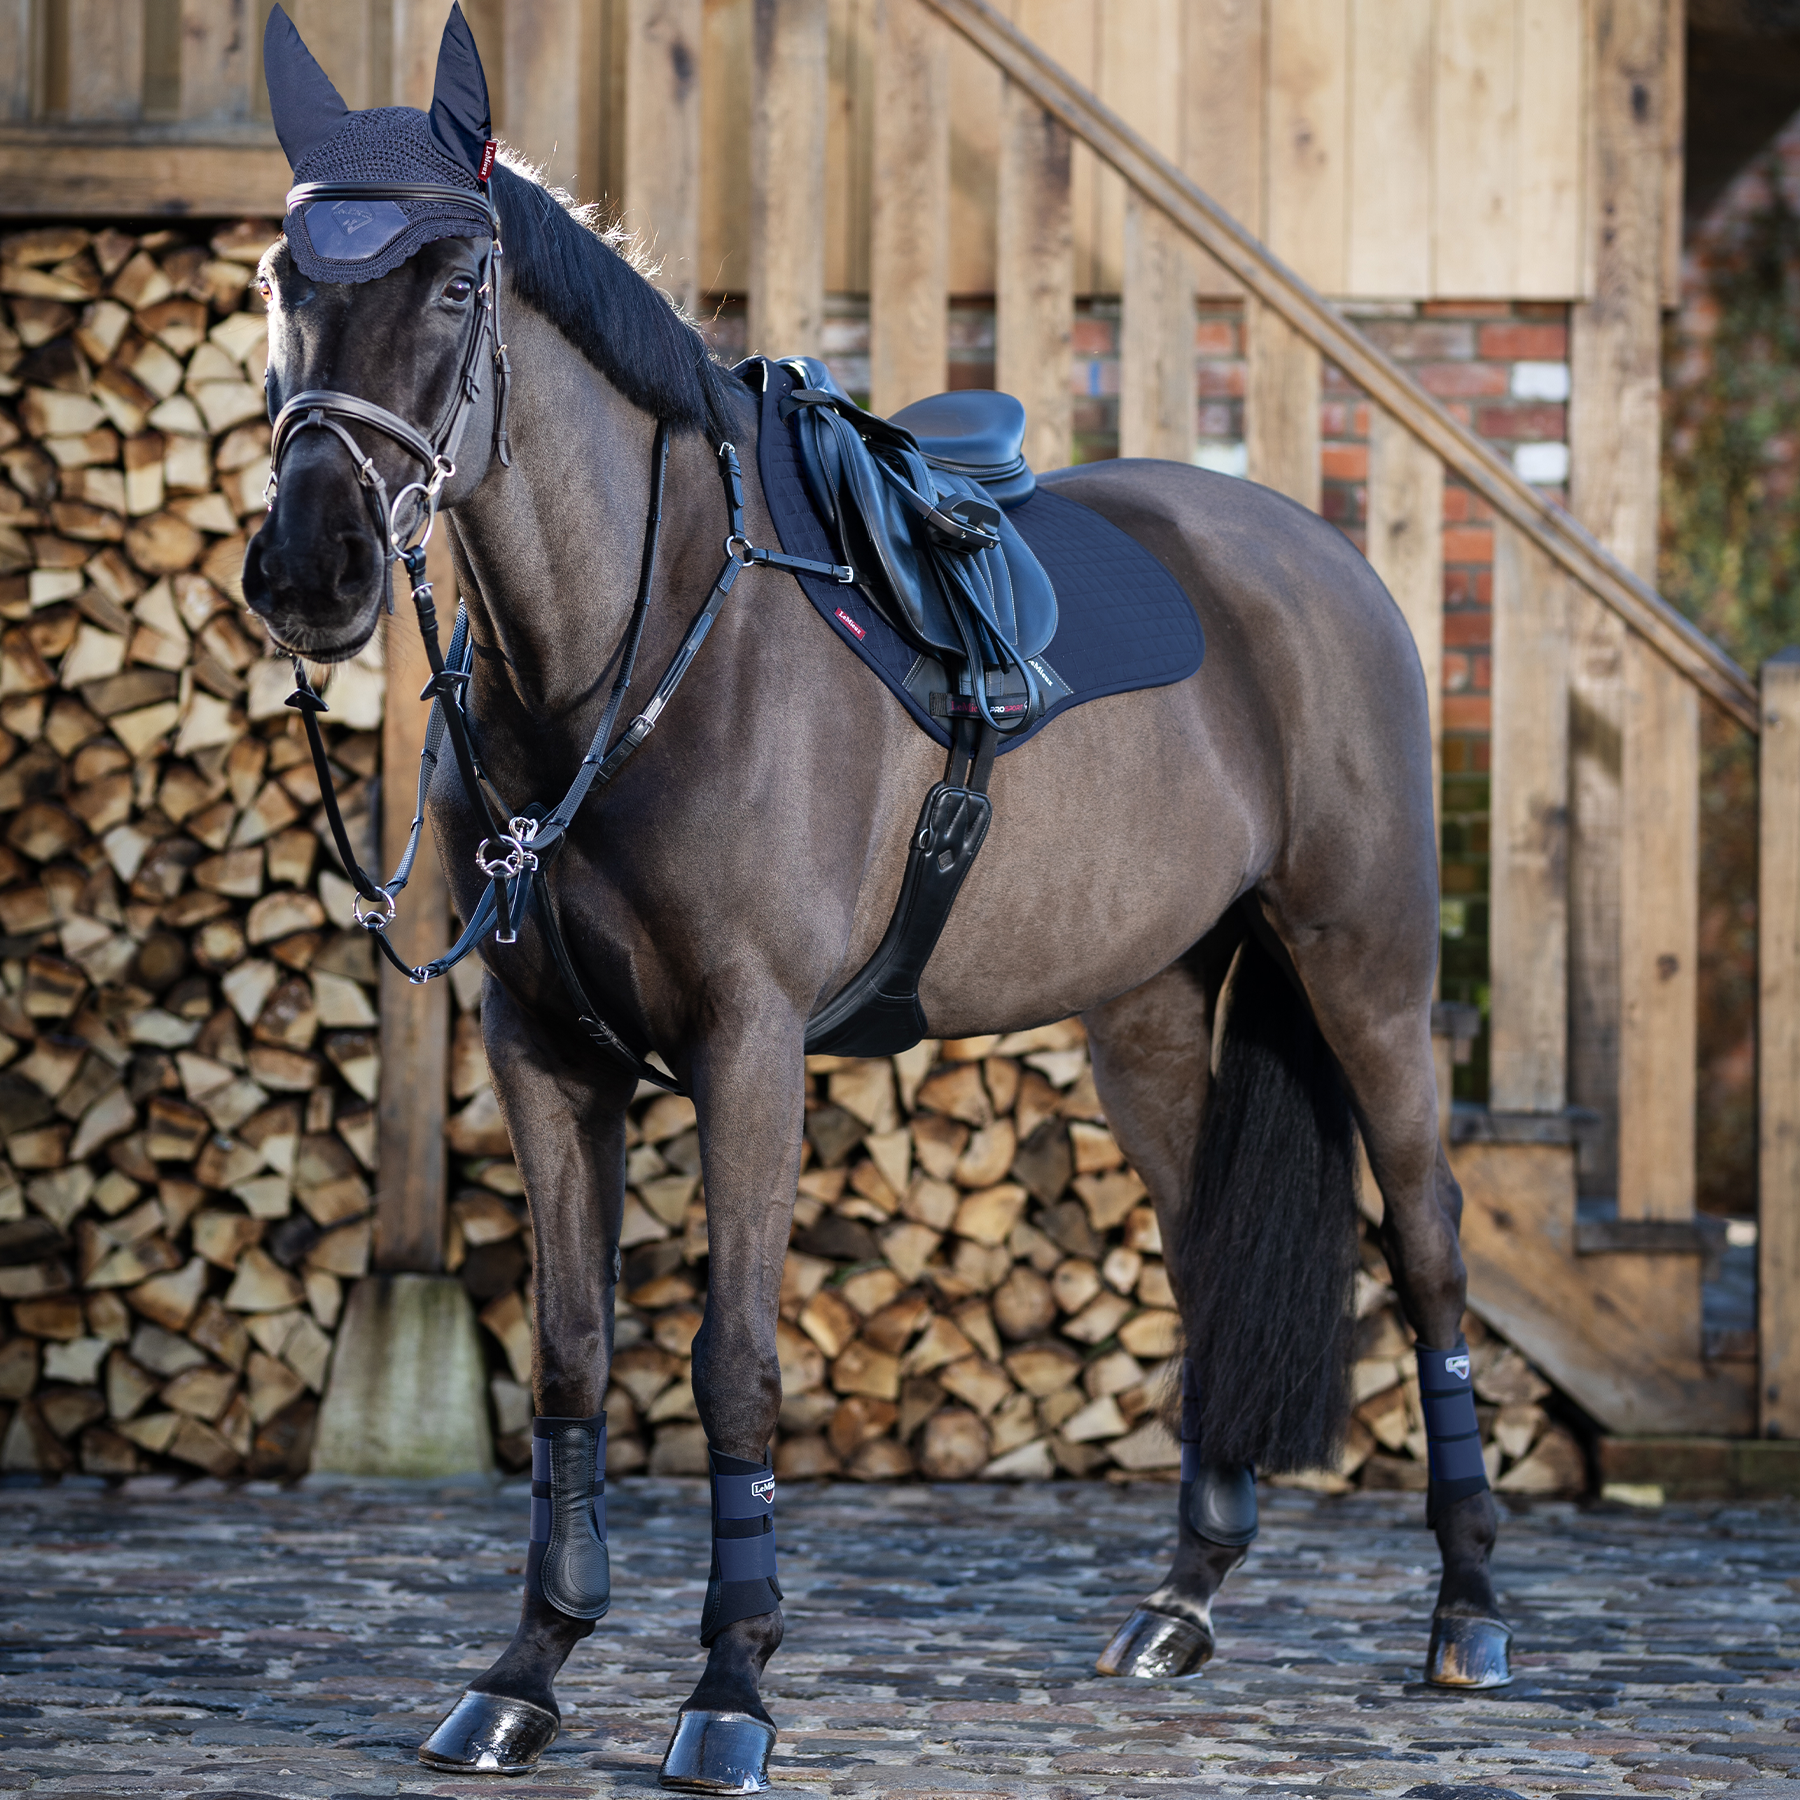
pixel 379 913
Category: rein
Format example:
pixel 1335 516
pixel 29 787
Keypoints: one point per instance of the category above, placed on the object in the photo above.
pixel 524 841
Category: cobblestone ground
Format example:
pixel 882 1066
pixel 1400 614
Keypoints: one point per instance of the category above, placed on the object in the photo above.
pixel 940 1643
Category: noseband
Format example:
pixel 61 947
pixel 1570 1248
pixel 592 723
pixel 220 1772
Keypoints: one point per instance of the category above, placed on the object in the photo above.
pixel 326 409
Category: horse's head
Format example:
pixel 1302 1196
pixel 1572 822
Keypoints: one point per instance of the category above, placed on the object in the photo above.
pixel 382 337
pixel 317 571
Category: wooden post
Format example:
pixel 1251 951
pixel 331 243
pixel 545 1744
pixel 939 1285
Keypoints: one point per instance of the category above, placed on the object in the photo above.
pixel 909 226
pixel 662 137
pixel 410 1207
pixel 1528 916
pixel 1035 276
pixel 1778 1049
pixel 106 59
pixel 1614 441
pixel 19 52
pixel 787 178
pixel 543 65
pixel 1659 938
pixel 218 45
pixel 1281 405
pixel 1156 336
pixel 1406 549
pixel 418 31
pixel 340 34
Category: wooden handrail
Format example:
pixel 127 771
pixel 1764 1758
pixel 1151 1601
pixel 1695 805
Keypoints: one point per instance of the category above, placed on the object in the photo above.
pixel 1687 648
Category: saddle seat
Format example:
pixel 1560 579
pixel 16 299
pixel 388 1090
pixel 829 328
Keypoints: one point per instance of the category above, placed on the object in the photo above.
pixel 918 513
pixel 978 434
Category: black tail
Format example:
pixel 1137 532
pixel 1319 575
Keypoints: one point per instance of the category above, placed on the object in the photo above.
pixel 1266 1258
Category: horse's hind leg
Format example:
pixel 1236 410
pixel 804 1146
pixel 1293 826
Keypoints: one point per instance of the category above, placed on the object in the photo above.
pixel 1375 1015
pixel 1151 1051
pixel 568 1133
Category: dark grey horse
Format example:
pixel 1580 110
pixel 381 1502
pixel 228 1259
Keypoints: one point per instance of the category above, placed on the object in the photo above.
pixel 1270 817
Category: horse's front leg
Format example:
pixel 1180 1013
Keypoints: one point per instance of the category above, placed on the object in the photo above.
pixel 748 1084
pixel 567 1125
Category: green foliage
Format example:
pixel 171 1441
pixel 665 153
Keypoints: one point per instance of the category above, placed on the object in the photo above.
pixel 1731 561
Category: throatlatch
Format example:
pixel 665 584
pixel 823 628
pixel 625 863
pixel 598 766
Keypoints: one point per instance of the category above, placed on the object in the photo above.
pixel 1452 1433
pixel 742 1583
pixel 1218 1500
pixel 568 1565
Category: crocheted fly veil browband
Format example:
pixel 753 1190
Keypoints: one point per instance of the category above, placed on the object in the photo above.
pixel 349 239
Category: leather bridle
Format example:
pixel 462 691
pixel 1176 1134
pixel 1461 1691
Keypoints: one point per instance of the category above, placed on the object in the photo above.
pixel 327 409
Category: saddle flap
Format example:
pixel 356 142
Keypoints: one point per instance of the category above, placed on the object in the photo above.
pixel 932 548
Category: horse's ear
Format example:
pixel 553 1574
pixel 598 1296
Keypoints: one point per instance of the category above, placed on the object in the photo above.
pixel 459 99
pixel 306 107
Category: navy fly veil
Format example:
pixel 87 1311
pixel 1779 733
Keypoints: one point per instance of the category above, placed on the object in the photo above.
pixel 1123 620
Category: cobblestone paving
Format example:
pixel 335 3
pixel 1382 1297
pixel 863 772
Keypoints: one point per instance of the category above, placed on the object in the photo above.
pixel 940 1643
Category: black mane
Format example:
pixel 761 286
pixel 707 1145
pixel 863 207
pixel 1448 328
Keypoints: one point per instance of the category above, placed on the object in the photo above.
pixel 562 262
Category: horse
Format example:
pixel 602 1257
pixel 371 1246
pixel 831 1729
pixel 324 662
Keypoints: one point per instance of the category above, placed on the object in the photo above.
pixel 1230 879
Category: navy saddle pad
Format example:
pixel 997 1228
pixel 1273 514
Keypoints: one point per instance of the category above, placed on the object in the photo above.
pixel 1123 620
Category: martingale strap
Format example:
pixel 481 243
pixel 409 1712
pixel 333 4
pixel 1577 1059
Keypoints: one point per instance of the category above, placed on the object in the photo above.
pixel 1452 1432
pixel 742 1584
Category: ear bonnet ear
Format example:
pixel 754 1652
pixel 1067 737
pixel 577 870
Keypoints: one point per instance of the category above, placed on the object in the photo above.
pixel 459 102
pixel 307 108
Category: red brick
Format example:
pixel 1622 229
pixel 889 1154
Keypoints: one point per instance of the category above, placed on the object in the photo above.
pixel 1465 626
pixel 1456 504
pixel 1525 343
pixel 1423 340
pixel 1092 337
pixel 1467 712
pixel 1483 749
pixel 1534 420
pixel 1456 673
pixel 1465 309
pixel 1215 337
pixel 1333 380
pixel 1459 587
pixel 1344 462
pixel 1469 544
pixel 1213 379
pixel 1481 674
pixel 1457 380
pixel 1484 588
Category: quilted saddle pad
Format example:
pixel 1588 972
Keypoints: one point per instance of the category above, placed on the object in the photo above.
pixel 1123 621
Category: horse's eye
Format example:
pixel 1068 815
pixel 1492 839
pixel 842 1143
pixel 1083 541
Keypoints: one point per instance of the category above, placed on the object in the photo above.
pixel 266 287
pixel 458 288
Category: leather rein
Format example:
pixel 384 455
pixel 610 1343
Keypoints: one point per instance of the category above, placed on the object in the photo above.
pixel 516 858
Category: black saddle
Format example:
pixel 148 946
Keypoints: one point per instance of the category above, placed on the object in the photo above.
pixel 932 548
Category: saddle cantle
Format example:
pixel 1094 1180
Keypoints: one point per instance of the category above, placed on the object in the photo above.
pixel 934 551
pixel 978 434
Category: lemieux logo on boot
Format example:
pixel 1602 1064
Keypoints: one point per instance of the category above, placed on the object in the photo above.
pixel 764 1490
pixel 1458 1366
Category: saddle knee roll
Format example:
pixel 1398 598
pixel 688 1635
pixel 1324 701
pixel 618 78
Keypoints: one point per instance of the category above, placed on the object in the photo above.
pixel 568 1564
pixel 1452 1431
pixel 742 1583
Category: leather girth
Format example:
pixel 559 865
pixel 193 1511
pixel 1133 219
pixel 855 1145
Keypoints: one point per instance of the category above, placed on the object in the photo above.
pixel 878 1012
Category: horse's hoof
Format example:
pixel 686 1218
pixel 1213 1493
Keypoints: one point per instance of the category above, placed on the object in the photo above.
pixel 1153 1645
pixel 718 1753
pixel 1467 1652
pixel 489 1734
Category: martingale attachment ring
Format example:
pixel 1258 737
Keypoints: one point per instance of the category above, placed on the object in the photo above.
pixel 517 858
pixel 373 912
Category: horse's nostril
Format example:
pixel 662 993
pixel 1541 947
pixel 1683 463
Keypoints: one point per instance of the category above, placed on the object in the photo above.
pixel 356 562
pixel 256 580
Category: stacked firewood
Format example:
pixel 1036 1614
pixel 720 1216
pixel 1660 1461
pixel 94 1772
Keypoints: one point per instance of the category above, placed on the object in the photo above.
pixel 188 1059
pixel 187 1031
pixel 975 1287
